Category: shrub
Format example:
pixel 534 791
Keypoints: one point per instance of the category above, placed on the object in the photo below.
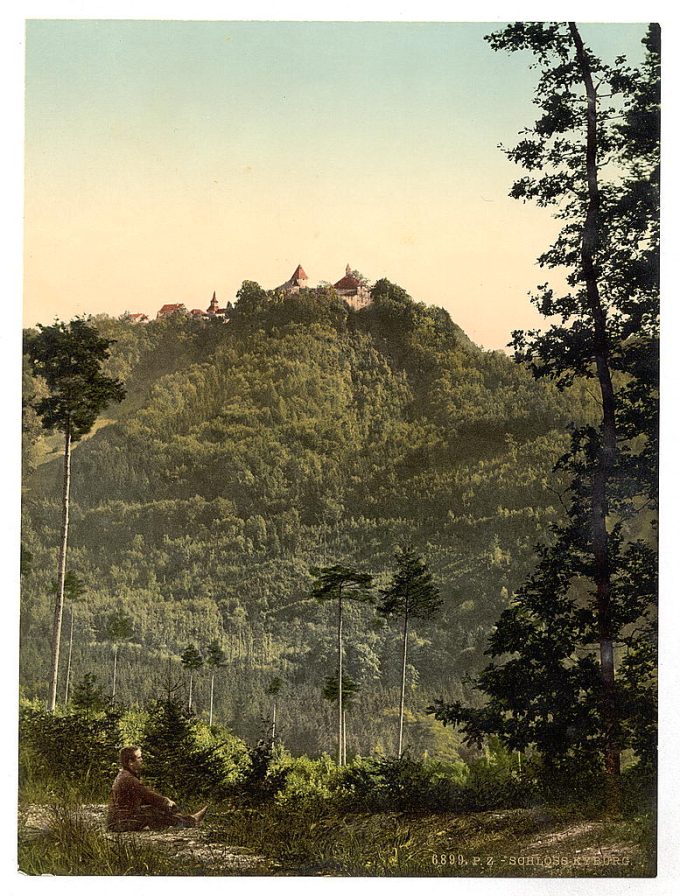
pixel 175 760
pixel 266 776
pixel 307 780
pixel 78 748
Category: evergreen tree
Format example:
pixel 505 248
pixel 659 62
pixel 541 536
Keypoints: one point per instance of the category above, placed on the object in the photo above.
pixel 69 358
pixel 341 583
pixel 118 627
pixel 175 761
pixel 192 659
pixel 594 589
pixel 214 659
pixel 411 595
pixel 88 695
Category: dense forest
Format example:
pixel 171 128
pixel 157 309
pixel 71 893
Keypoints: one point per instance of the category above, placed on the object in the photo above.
pixel 299 434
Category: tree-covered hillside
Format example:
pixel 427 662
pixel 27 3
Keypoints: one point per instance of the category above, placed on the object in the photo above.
pixel 298 434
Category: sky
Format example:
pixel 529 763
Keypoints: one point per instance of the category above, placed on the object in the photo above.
pixel 168 159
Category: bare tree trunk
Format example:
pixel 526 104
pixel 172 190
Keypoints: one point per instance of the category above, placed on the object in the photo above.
pixel 607 452
pixel 191 687
pixel 344 737
pixel 274 722
pixel 68 663
pixel 115 672
pixel 212 690
pixel 61 573
pixel 340 677
pixel 404 646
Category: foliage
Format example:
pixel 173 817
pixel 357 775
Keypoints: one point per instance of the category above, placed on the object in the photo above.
pixel 331 690
pixel 266 775
pixel 214 656
pixel 551 682
pixel 89 696
pixel 244 456
pixel 411 594
pixel 78 747
pixel 175 763
pixel 192 658
pixel 68 356
pixel 117 626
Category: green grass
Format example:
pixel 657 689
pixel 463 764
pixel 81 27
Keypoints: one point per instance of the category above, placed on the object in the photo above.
pixel 72 845
pixel 501 843
pixel 59 835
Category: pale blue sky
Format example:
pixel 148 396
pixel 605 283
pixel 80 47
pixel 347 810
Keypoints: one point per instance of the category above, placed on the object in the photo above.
pixel 167 159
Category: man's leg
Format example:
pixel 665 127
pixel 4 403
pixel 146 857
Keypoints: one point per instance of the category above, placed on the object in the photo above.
pixel 158 819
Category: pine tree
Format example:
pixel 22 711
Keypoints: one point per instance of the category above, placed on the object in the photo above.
pixel 411 595
pixel 69 358
pixel 192 659
pixel 341 583
pixel 214 659
pixel 118 627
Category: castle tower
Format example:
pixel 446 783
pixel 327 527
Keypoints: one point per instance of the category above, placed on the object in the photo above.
pixel 298 281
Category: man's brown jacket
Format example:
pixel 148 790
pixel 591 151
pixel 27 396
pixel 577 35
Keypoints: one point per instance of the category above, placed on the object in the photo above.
pixel 128 794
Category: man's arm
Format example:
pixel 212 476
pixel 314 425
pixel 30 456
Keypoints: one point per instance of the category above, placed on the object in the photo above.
pixel 149 797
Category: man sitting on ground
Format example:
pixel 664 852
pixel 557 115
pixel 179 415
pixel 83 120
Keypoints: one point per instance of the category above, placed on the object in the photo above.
pixel 133 806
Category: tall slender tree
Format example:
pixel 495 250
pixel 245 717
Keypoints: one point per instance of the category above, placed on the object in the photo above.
pixel 192 659
pixel 593 155
pixel 341 583
pixel 273 690
pixel 69 358
pixel 74 589
pixel 331 692
pixel 118 628
pixel 214 660
pixel 411 595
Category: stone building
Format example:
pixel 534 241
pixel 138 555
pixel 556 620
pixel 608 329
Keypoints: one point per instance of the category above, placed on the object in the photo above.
pixel 298 280
pixel 354 291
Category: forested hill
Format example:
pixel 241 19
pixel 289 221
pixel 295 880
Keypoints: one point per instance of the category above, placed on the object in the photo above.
pixel 299 433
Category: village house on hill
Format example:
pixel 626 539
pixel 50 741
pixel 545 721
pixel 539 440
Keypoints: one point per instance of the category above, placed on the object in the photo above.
pixel 167 310
pixel 213 311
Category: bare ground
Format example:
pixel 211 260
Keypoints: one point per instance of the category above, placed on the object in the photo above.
pixel 194 846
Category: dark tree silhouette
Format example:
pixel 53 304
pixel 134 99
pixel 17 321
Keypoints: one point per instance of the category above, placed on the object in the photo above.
pixel 595 154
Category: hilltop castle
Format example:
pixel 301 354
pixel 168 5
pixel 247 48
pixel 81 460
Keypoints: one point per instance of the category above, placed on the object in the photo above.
pixel 352 288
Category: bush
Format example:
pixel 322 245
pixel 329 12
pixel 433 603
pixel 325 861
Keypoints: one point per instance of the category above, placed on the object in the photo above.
pixel 307 781
pixel 175 761
pixel 267 772
pixel 409 785
pixel 75 749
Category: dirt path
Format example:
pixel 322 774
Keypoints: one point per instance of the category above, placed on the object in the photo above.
pixel 184 846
